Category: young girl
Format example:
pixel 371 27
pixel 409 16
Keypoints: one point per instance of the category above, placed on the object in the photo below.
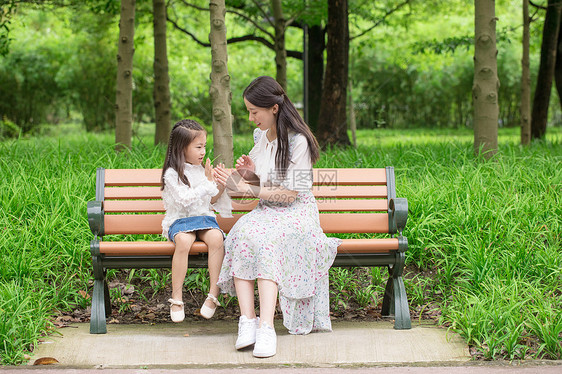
pixel 189 191
pixel 280 243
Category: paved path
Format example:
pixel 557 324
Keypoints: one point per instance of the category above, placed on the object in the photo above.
pixel 203 343
pixel 208 347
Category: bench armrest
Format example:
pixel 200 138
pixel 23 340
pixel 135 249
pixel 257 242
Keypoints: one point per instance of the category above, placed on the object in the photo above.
pixel 95 217
pixel 398 214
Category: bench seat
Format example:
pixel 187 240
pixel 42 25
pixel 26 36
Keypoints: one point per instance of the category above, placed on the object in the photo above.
pixel 350 201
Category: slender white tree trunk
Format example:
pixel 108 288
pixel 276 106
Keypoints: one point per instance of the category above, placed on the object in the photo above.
pixel 220 93
pixel 525 80
pixel 486 82
pixel 161 91
pixel 124 92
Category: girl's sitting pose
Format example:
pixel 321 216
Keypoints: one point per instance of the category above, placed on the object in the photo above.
pixel 189 191
pixel 280 242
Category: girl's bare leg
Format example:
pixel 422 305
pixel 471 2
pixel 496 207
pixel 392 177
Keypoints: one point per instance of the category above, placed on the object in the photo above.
pixel 267 290
pixel 184 240
pixel 214 240
pixel 245 293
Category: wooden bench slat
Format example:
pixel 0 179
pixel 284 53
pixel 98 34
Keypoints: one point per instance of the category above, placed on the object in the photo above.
pixel 167 248
pixel 329 205
pixel 331 223
pixel 151 177
pixel 131 193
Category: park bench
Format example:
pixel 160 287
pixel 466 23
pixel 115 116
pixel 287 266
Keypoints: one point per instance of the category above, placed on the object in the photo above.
pixel 361 201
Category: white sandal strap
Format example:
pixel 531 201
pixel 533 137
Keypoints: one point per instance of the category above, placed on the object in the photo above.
pixel 213 299
pixel 175 302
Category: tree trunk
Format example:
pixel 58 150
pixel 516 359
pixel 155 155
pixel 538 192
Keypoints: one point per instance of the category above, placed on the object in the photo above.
pixel 162 106
pixel 539 116
pixel 332 121
pixel 558 66
pixel 525 80
pixel 352 122
pixel 124 92
pixel 219 91
pixel 315 56
pixel 486 82
pixel 279 44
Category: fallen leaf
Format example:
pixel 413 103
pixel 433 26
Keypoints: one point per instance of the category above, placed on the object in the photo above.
pixel 128 289
pixel 46 361
pixel 84 294
pixel 186 334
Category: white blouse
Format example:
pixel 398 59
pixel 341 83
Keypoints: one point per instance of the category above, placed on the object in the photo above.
pixel 299 173
pixel 181 200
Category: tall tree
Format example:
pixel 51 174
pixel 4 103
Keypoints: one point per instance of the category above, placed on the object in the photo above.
pixel 161 93
pixel 280 51
pixel 525 79
pixel 486 83
pixel 539 116
pixel 332 121
pixel 314 79
pixel 558 65
pixel 124 92
pixel 219 91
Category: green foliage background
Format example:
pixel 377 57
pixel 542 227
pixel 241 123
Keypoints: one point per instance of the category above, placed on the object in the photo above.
pixel 414 70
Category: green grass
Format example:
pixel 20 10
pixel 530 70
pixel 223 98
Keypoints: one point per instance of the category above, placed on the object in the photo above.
pixel 484 237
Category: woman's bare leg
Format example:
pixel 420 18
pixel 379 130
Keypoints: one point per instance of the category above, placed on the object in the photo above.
pixel 267 290
pixel 245 294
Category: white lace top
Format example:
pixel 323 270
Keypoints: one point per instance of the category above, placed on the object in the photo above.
pixel 299 173
pixel 181 200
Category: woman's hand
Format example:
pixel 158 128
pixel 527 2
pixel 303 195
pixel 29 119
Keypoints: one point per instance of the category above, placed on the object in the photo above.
pixel 220 175
pixel 245 162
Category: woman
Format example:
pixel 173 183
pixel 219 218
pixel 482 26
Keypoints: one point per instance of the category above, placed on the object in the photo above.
pixel 280 243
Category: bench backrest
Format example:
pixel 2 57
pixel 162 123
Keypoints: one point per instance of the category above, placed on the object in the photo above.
pixel 349 201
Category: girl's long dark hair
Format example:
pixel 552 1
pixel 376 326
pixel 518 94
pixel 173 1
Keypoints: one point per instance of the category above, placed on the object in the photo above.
pixel 265 92
pixel 181 136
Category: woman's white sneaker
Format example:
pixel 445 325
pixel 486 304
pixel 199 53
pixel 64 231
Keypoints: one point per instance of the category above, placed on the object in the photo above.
pixel 246 332
pixel 266 341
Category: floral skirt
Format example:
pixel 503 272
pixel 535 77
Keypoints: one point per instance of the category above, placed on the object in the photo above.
pixel 284 243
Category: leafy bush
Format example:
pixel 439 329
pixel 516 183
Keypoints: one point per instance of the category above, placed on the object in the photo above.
pixel 8 129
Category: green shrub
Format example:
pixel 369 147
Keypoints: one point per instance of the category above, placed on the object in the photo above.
pixel 8 129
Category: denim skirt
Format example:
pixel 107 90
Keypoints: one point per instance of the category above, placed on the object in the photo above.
pixel 191 224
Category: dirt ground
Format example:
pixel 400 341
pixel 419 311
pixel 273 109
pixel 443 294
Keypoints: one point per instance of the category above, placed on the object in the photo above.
pixel 130 305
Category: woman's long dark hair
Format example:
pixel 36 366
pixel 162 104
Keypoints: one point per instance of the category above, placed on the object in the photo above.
pixel 181 136
pixel 265 92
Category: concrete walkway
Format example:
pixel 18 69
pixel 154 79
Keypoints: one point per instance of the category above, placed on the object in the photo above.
pixel 205 343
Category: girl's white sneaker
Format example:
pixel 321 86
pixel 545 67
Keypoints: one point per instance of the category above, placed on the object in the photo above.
pixel 246 332
pixel 266 341
pixel 207 312
pixel 179 315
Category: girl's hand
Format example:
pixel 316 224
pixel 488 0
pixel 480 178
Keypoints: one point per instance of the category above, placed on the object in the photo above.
pixel 245 162
pixel 209 170
pixel 221 175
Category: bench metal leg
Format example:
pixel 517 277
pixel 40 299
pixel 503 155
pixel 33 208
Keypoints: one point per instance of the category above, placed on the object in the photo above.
pixel 395 301
pixel 97 317
pixel 100 298
pixel 106 298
